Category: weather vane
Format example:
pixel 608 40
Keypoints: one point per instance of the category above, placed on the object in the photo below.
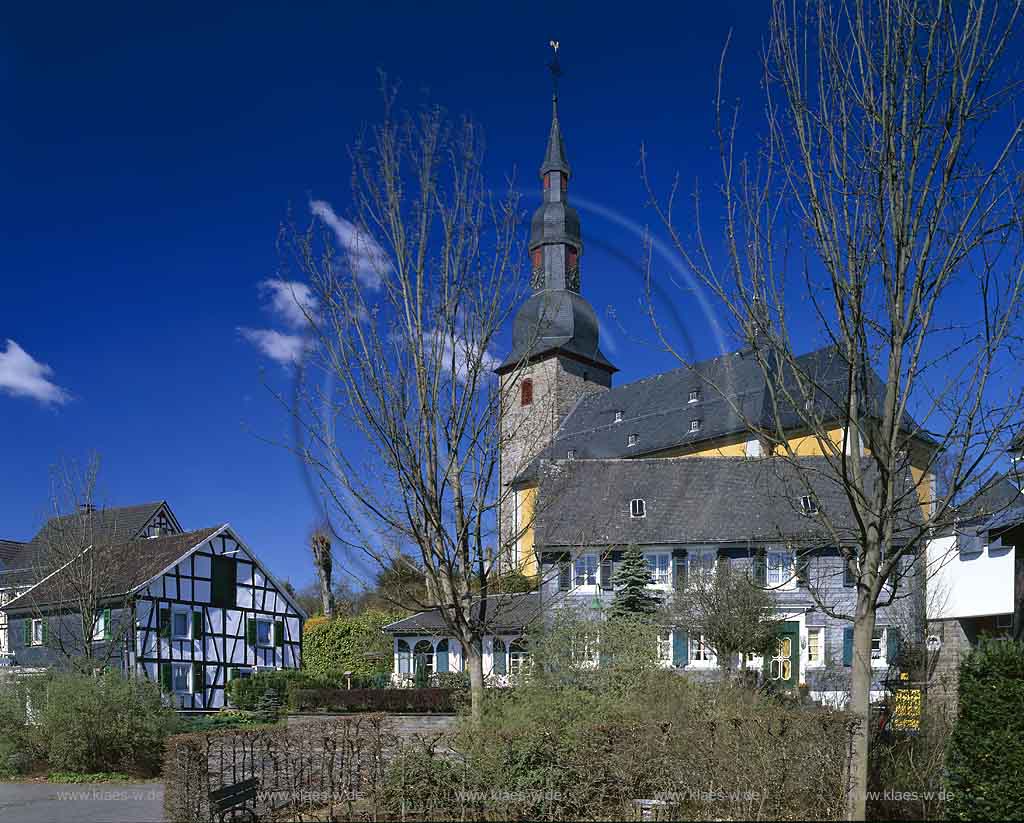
pixel 554 66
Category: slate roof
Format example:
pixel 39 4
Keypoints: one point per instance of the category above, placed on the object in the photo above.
pixel 692 500
pixel 116 524
pixel 658 411
pixel 9 550
pixel 125 565
pixel 505 612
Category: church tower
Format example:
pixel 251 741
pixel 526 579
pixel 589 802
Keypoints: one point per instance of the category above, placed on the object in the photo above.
pixel 555 356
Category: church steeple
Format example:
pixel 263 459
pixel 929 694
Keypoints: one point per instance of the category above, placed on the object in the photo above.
pixel 556 319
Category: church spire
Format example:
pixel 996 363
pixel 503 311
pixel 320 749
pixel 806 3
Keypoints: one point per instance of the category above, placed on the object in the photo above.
pixel 555 241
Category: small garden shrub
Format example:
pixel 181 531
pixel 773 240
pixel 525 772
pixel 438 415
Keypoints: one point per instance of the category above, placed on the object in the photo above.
pixel 357 644
pixel 84 724
pixel 986 753
pixel 245 693
pixel 373 700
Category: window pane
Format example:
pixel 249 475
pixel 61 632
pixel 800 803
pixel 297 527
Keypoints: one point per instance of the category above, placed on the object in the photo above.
pixel 180 682
pixel 586 570
pixel 263 632
pixel 181 620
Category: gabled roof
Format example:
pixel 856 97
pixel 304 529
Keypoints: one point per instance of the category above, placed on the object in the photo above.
pixel 732 390
pixel 121 567
pixel 504 612
pixel 114 524
pixel 692 500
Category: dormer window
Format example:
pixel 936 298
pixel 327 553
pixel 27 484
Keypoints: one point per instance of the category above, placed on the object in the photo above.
pixel 694 396
pixel 526 392
pixel 571 454
pixel 694 425
pixel 618 417
pixel 632 440
pixel 637 507
pixel 808 505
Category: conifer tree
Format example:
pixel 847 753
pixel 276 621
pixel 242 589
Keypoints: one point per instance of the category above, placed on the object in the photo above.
pixel 630 580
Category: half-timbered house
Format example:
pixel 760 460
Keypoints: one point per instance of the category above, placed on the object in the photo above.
pixel 190 610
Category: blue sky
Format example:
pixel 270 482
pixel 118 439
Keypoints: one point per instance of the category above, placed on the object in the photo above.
pixel 150 153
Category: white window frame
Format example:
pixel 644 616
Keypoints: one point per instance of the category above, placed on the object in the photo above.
pixel 632 440
pixel 576 575
pixel 808 505
pixel 663 651
pixel 175 612
pixel 618 417
pixel 585 649
pixel 880 661
pixel 701 655
pixel 660 578
pixel 780 575
pixel 819 632
pixel 694 396
pixel 637 508
pixel 36 638
pixel 570 454
pixel 518 661
pixel 99 627
pixel 697 563
pixel 694 426
pixel 270 643
pixel 175 668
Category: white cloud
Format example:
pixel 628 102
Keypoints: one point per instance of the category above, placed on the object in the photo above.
pixel 23 376
pixel 292 300
pixel 284 348
pixel 458 355
pixel 368 261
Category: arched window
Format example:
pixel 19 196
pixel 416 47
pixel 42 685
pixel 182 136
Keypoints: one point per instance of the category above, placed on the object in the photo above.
pixel 423 657
pixel 526 392
pixel 442 656
pixel 518 658
pixel 499 657
pixel 404 658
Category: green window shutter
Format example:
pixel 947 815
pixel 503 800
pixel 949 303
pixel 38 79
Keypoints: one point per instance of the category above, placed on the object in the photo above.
pixel 607 571
pixel 27 631
pixel 107 628
pixel 679 576
pixel 197 678
pixel 250 632
pixel 759 568
pixel 892 644
pixel 279 633
pixel 164 622
pixel 564 576
pixel 165 676
pixel 680 648
pixel 848 645
pixel 46 631
pixel 197 625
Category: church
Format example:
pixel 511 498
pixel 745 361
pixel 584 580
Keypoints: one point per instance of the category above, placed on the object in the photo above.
pixel 666 465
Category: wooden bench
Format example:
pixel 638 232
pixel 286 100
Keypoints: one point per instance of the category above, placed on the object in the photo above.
pixel 229 802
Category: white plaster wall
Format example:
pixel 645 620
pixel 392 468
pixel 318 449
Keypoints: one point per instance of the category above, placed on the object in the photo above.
pixel 970 584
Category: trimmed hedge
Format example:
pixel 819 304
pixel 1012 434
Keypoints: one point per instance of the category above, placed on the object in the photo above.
pixel 986 754
pixel 357 644
pixel 374 700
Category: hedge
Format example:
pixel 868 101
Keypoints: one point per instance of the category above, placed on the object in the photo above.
pixel 357 644
pixel 986 754
pixel 374 700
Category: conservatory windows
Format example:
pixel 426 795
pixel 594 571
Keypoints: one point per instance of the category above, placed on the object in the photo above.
pixel 499 658
pixel 404 657
pixel 423 657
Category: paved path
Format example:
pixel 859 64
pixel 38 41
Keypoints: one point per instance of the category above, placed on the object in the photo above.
pixel 81 803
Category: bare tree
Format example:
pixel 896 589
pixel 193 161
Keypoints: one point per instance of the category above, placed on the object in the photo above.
pixel 323 563
pixel 81 618
pixel 733 615
pixel 398 406
pixel 882 201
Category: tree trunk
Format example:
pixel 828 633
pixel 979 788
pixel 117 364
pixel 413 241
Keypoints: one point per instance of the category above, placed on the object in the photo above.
pixel 322 560
pixel 473 651
pixel 860 707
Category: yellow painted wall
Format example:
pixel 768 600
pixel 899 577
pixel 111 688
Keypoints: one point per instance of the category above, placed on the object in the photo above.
pixel 526 557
